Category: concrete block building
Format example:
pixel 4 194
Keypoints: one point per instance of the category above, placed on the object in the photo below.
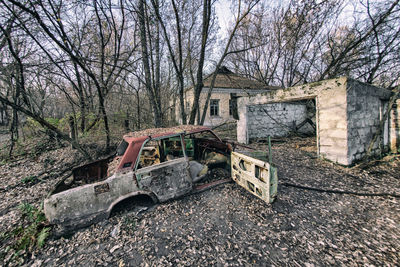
pixel 343 113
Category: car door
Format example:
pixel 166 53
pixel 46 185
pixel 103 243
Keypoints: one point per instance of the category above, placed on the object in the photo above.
pixel 255 175
pixel 167 178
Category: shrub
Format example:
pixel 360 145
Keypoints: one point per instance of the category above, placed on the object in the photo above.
pixel 29 235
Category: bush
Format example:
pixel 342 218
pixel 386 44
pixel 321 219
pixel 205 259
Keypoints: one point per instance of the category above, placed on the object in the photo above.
pixel 26 237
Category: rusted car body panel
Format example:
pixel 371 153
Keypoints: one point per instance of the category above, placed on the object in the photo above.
pixel 175 174
pixel 161 163
pixel 90 203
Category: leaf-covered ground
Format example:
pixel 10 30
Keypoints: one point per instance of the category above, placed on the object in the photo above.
pixel 226 225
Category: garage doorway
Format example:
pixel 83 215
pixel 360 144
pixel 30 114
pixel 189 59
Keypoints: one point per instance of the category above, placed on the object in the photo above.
pixel 293 123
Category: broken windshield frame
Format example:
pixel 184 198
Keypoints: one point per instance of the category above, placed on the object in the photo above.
pixel 207 134
pixel 180 135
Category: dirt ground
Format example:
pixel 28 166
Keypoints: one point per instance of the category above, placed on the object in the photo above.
pixel 227 226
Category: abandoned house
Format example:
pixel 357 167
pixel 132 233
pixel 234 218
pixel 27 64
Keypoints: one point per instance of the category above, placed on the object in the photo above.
pixel 222 106
pixel 342 113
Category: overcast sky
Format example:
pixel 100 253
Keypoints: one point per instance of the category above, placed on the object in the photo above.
pixel 222 8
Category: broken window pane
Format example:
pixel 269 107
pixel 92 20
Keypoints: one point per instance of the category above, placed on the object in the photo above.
pixel 122 148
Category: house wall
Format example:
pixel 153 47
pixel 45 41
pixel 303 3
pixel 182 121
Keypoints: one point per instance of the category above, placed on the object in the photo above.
pixel 223 95
pixel 336 139
pixel 223 115
pixel 277 119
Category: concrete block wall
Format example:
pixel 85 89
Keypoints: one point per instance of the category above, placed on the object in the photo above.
pixel 366 105
pixel 344 122
pixel 330 114
pixel 332 122
pixel 276 119
pixel 395 128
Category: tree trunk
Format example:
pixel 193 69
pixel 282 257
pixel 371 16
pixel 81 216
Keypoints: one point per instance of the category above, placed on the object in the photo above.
pixel 181 99
pixel 105 119
pixel 157 82
pixel 13 131
pixel 72 132
pixel 146 65
pixel 82 101
pixel 138 110
pixel 177 60
pixel 199 79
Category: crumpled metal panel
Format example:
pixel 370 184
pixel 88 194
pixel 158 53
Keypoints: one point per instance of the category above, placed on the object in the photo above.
pixel 166 180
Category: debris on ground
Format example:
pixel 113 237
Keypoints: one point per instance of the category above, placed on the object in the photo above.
pixel 226 225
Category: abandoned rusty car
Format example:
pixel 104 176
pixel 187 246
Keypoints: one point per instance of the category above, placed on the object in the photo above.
pixel 162 164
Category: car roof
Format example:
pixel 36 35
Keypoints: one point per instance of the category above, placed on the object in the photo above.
pixel 136 139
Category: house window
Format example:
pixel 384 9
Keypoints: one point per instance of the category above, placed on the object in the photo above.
pixel 214 107
pixel 233 111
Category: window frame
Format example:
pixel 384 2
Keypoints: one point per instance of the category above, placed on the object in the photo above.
pixel 214 108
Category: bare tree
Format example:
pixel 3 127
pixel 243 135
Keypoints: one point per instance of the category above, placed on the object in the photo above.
pixel 283 52
pixel 111 57
pixel 151 85
pixel 362 30
pixel 311 42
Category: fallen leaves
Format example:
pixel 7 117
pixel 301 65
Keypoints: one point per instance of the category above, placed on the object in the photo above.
pixel 227 226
